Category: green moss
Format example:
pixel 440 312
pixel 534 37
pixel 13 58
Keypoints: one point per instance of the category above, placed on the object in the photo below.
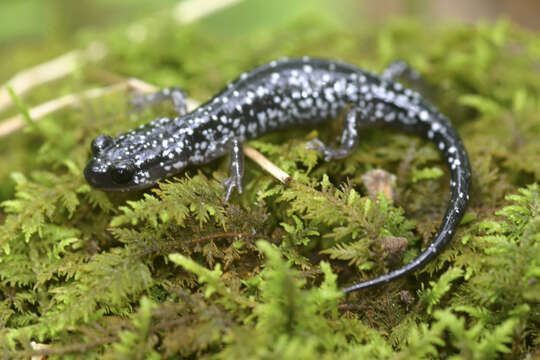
pixel 96 275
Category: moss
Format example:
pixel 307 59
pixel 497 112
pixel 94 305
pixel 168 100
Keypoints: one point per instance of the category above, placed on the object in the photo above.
pixel 175 272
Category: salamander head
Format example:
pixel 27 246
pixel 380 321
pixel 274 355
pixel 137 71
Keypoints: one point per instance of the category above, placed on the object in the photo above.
pixel 109 170
pixel 131 161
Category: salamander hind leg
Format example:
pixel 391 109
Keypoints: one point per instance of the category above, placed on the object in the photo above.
pixel 236 169
pixel 174 94
pixel 348 141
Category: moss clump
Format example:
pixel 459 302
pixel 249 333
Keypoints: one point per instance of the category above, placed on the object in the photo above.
pixel 175 272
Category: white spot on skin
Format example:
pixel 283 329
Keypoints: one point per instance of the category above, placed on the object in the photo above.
pixel 339 86
pixel 390 117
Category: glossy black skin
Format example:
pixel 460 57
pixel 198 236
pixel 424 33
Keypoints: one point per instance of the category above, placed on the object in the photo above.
pixel 276 96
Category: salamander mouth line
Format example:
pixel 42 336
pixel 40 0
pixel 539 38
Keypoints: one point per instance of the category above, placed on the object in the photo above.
pixel 127 189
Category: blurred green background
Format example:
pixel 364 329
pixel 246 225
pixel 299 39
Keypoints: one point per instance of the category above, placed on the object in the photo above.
pixel 51 25
pixel 38 20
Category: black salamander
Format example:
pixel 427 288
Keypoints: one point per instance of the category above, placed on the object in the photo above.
pixel 276 96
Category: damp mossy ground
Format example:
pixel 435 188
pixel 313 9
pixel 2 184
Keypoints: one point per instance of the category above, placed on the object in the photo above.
pixel 176 272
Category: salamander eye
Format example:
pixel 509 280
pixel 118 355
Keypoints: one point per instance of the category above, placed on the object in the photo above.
pixel 100 143
pixel 122 173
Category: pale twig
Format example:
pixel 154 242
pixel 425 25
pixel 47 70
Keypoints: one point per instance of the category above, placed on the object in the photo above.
pixel 267 165
pixel 36 113
pixel 27 79
pixel 191 10
pixel 38 346
pixel 49 71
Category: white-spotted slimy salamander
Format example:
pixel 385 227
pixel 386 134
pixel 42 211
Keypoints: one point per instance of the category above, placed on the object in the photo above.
pixel 275 96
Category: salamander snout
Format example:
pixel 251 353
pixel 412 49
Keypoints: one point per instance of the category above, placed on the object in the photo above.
pixel 109 177
pixel 93 173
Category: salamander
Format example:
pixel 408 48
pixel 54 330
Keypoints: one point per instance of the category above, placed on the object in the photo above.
pixel 279 95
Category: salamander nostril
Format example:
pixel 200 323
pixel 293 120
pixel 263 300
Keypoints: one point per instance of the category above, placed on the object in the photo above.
pixel 90 174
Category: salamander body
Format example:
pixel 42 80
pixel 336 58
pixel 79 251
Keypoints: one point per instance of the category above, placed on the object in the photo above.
pixel 276 96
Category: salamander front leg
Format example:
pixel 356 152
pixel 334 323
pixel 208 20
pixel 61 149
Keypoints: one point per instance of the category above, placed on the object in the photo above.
pixel 400 69
pixel 174 94
pixel 348 142
pixel 236 169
